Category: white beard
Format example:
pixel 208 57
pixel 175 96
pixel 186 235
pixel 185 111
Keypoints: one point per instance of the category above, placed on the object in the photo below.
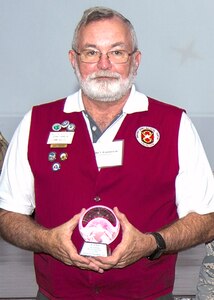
pixel 110 89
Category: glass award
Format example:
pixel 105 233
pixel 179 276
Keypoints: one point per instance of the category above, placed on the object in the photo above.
pixel 98 227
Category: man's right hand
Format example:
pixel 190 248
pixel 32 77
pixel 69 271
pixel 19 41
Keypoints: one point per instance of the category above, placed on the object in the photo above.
pixel 22 231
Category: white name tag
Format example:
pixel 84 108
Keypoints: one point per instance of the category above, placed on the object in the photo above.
pixel 109 154
pixel 62 137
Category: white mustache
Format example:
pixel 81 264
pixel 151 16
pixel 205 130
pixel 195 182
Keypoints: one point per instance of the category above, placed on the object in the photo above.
pixel 104 74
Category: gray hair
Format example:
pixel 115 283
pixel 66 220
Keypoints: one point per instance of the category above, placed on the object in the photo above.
pixel 99 13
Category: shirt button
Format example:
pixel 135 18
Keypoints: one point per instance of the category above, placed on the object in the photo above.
pixel 94 128
pixel 97 199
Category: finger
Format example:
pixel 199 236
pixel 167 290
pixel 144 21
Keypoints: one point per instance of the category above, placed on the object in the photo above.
pixel 121 216
pixel 74 221
pixel 95 267
pixel 105 262
pixel 86 263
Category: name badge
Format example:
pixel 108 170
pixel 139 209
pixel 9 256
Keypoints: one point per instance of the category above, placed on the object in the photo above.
pixel 62 137
pixel 109 154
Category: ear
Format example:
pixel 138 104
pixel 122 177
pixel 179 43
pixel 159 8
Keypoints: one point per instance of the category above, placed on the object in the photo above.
pixel 137 59
pixel 71 56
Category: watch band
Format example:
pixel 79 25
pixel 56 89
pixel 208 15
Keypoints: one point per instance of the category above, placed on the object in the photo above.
pixel 161 246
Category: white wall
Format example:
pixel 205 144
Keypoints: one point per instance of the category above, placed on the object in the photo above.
pixel 175 36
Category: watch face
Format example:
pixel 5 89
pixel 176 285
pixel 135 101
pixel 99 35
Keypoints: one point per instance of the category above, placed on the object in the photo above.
pixel 99 224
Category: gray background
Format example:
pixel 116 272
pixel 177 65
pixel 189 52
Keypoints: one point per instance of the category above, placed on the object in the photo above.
pixel 175 37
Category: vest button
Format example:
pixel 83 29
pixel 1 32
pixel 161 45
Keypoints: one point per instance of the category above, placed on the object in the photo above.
pixel 97 290
pixel 97 199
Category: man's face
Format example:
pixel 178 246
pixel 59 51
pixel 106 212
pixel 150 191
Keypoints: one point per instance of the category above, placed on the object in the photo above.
pixel 104 80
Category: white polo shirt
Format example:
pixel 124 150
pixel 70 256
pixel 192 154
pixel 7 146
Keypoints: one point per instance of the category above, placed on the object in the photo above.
pixel 194 182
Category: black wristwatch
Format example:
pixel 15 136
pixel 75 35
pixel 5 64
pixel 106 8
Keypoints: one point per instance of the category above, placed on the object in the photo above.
pixel 161 246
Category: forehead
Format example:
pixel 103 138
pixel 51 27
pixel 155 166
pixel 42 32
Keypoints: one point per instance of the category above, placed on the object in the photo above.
pixel 105 33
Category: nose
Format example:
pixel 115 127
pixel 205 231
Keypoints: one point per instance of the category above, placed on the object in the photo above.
pixel 104 62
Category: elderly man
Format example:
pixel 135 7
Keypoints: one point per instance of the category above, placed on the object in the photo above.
pixel 106 145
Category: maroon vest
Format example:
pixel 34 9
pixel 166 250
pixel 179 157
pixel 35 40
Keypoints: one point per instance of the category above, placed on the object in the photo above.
pixel 143 188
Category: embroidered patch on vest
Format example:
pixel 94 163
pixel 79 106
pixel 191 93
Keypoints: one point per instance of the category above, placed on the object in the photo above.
pixel 147 136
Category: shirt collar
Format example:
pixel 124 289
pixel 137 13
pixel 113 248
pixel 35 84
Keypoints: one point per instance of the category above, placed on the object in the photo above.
pixel 137 102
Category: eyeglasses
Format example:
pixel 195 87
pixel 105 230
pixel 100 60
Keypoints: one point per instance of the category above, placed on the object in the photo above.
pixel 93 56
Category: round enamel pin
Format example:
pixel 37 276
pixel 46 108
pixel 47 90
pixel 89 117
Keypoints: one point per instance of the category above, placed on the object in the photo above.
pixel 56 127
pixel 65 124
pixel 56 167
pixel 71 127
pixel 147 136
pixel 51 156
pixel 63 156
